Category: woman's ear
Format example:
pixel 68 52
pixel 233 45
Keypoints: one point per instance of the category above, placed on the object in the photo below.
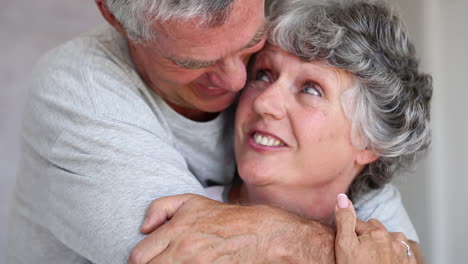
pixel 366 156
pixel 109 17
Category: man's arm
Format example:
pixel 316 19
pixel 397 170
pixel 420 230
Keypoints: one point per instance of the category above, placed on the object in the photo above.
pixel 100 188
pixel 204 231
pixel 96 156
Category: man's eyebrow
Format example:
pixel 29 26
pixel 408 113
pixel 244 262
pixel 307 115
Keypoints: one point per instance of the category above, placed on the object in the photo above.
pixel 257 38
pixel 191 63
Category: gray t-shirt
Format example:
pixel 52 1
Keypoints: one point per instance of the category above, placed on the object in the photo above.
pixel 97 147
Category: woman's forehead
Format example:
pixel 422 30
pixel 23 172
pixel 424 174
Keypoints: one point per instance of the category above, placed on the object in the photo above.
pixel 276 54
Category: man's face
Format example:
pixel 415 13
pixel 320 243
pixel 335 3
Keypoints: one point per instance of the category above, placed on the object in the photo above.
pixel 198 70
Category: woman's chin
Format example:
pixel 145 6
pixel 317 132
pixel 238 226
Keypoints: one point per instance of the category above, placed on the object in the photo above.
pixel 254 175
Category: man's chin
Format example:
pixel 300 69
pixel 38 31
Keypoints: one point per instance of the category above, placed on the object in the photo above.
pixel 202 113
pixel 206 109
pixel 217 105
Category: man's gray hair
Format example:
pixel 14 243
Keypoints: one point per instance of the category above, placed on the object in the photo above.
pixel 389 107
pixel 136 16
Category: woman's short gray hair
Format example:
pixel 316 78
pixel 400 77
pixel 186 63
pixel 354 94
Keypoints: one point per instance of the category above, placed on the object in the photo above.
pixel 390 104
pixel 136 15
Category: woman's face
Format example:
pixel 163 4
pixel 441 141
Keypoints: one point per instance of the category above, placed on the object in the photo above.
pixel 290 126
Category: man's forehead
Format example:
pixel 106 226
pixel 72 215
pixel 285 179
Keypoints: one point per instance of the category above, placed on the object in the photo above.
pixel 191 41
pixel 185 37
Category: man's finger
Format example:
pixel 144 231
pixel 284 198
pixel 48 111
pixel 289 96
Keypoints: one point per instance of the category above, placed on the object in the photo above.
pixel 215 249
pixel 163 209
pixel 150 247
pixel 345 220
pixel 370 227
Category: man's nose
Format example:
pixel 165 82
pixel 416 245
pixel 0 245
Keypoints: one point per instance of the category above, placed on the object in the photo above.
pixel 231 74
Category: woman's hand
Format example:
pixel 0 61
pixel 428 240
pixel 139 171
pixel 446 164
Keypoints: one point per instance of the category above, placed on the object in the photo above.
pixel 367 242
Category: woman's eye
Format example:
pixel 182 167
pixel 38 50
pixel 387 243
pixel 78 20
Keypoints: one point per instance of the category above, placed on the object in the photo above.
pixel 313 89
pixel 262 75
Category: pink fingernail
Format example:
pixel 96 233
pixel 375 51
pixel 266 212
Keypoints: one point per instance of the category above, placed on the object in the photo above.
pixel 342 201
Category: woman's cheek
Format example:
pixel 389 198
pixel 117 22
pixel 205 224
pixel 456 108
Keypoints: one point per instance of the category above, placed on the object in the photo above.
pixel 249 94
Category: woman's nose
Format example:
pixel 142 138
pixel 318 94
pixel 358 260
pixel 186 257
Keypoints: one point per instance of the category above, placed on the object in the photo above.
pixel 271 102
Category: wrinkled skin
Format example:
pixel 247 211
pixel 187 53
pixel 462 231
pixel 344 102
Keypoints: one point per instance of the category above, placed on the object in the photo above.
pixel 369 242
pixel 205 231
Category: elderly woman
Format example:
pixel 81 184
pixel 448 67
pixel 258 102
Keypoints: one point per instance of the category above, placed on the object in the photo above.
pixel 335 104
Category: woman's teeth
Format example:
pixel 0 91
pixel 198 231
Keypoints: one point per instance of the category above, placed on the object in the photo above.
pixel 266 140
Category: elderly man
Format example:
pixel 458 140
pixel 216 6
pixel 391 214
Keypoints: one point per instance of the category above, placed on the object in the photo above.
pixel 139 110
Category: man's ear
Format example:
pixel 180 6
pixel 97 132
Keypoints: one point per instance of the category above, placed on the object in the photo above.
pixel 366 156
pixel 109 17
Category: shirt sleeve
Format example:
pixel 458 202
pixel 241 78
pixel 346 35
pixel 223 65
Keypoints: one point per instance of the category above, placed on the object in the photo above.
pixel 103 153
pixel 102 178
pixel 386 206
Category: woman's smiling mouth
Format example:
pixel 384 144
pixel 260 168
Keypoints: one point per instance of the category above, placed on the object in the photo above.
pixel 263 139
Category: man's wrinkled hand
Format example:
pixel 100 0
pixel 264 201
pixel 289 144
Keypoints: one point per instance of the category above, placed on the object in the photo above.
pixel 200 230
pixel 193 229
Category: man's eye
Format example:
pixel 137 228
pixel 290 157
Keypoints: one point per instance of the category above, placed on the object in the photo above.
pixel 313 89
pixel 262 75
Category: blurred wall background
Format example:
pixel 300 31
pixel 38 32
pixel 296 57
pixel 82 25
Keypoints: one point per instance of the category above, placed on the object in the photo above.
pixel 27 30
pixel 434 194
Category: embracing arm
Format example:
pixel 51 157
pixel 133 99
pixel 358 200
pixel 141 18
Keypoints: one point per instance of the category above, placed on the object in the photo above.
pixel 96 157
pixel 204 231
pixel 101 187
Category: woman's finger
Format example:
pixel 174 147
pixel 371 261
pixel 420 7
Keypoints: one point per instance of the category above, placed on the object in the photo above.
pixel 403 248
pixel 376 223
pixel 399 236
pixel 345 221
pixel 362 227
pixel 163 209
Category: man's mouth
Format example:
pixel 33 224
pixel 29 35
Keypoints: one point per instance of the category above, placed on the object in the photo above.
pixel 210 90
pixel 266 140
